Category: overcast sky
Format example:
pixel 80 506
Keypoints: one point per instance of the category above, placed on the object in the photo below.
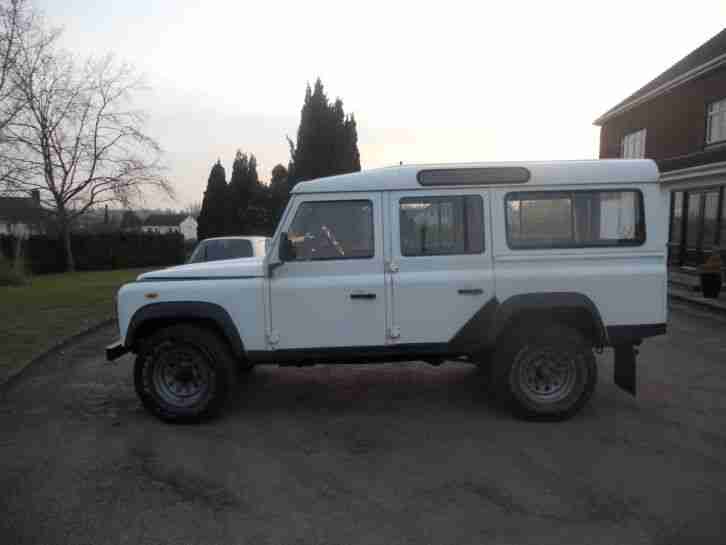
pixel 427 81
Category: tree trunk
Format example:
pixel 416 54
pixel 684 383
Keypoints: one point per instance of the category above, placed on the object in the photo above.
pixel 18 253
pixel 67 250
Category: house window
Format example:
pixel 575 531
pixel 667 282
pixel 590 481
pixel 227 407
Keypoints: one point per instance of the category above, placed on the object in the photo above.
pixel 632 146
pixel 693 225
pixel 677 217
pixel 710 218
pixel 716 122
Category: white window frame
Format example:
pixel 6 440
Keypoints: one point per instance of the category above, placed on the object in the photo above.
pixel 716 118
pixel 632 145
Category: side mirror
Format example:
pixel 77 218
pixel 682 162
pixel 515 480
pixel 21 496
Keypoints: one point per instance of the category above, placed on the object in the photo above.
pixel 287 251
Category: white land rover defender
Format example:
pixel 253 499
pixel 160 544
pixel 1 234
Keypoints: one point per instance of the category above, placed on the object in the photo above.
pixel 525 268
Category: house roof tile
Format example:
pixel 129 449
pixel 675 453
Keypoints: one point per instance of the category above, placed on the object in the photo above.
pixel 164 220
pixel 20 209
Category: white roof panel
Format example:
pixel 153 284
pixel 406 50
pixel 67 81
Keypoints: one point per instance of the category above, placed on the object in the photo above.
pixel 607 171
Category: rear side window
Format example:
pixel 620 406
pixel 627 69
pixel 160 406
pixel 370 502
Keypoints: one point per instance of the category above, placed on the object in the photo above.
pixel 574 219
pixel 447 225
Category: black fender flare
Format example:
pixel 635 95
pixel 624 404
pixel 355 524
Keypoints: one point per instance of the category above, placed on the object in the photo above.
pixel 544 302
pixel 186 310
pixel 491 320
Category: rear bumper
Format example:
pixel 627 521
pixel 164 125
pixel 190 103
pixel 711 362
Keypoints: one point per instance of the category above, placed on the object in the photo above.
pixel 115 351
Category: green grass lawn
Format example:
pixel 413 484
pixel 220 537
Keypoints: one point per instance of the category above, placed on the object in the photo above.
pixel 36 316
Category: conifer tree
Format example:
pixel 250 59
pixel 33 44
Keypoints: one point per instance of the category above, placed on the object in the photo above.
pixel 279 192
pixel 213 218
pixel 351 145
pixel 250 207
pixel 327 139
pixel 239 193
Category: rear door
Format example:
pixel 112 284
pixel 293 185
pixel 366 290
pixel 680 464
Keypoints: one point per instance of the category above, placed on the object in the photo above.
pixel 439 268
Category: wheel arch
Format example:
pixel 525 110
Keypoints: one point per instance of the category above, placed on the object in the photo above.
pixel 150 318
pixel 569 308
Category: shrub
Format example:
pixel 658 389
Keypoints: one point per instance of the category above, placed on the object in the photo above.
pixel 12 274
pixel 100 251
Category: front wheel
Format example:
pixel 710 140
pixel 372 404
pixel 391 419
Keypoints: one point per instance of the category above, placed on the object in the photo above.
pixel 184 373
pixel 546 374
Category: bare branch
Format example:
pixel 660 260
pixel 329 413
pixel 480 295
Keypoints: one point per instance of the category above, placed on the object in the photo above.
pixel 77 139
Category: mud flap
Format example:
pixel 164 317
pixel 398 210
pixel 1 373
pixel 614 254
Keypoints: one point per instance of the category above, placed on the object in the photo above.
pixel 624 367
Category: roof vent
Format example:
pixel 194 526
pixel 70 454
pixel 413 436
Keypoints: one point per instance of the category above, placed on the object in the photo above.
pixel 473 176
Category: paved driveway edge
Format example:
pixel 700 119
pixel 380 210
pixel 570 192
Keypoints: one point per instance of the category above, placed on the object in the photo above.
pixel 6 380
pixel 715 306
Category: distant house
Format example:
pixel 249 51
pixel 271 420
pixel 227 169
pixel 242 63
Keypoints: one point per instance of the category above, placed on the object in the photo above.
pixel 171 223
pixel 131 222
pixel 679 120
pixel 21 216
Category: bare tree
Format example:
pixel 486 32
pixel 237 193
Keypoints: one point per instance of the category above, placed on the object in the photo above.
pixel 79 139
pixel 18 30
pixel 16 21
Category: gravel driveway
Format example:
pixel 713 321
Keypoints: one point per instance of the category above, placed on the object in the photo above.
pixel 400 453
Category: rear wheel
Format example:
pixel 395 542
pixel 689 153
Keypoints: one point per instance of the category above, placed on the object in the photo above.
pixel 545 374
pixel 184 373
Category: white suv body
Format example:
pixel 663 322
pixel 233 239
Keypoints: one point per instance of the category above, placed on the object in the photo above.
pixel 429 262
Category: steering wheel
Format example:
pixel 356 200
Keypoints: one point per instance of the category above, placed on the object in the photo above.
pixel 331 238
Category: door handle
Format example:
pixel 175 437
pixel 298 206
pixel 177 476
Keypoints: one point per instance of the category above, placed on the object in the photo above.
pixel 362 295
pixel 472 291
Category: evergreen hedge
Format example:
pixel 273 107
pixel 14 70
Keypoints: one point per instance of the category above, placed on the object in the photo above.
pixel 102 251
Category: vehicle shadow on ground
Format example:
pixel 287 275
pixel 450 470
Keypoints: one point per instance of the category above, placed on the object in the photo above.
pixel 383 387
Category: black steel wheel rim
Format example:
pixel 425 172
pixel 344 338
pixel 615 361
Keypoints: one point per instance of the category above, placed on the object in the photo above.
pixel 182 375
pixel 545 376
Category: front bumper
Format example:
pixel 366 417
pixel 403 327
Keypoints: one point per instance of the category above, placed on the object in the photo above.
pixel 116 350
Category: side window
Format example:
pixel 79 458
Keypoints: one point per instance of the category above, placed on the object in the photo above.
pixel 574 219
pixel 332 230
pixel 447 225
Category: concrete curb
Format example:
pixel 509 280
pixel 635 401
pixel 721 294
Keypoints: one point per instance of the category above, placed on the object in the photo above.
pixel 697 302
pixel 15 374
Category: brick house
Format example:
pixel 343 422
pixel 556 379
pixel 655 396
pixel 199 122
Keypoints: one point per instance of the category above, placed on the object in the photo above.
pixel 679 120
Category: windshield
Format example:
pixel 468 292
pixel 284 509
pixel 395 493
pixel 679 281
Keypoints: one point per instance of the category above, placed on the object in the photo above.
pixel 215 250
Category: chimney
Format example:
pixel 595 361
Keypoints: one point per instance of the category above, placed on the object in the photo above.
pixel 35 195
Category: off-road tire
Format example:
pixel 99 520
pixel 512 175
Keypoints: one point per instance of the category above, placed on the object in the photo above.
pixel 544 372
pixel 166 355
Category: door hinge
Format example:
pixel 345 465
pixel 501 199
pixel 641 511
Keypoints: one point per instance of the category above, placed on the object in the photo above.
pixel 273 337
pixel 392 267
pixel 394 332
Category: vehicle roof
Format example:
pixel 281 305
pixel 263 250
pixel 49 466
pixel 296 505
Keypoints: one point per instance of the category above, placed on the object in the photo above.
pixel 250 238
pixel 608 171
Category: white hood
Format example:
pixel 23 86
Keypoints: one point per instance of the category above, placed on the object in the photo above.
pixel 229 268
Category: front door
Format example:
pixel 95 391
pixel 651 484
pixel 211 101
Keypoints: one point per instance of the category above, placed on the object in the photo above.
pixel 332 293
pixel 440 268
